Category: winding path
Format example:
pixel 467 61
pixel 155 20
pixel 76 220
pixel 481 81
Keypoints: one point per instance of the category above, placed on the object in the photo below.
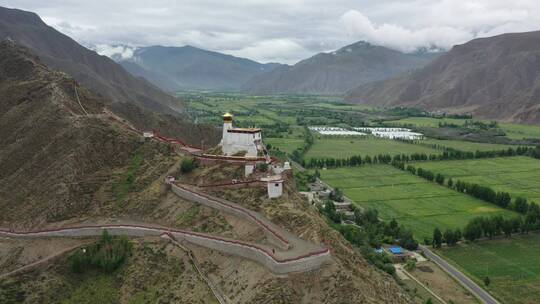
pixel 283 254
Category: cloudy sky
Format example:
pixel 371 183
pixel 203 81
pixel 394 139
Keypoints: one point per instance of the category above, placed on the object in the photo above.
pixel 283 30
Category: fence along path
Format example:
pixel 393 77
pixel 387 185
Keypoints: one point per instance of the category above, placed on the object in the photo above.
pixel 277 261
pixel 285 252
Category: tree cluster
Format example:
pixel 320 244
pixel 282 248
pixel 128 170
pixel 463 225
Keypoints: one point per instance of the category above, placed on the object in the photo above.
pixel 106 255
pixel 369 232
pixel 298 154
pixel 489 227
pixel 187 165
pixel 303 178
pixel 450 237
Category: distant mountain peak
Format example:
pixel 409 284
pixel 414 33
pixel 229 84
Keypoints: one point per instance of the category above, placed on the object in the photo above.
pixel 494 77
pixel 189 67
pixel 336 72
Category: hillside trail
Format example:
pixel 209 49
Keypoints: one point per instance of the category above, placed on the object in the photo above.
pixel 296 253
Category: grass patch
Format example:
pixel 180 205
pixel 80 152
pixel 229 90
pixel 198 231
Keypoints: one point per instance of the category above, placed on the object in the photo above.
pixel 287 145
pixel 414 202
pixel 187 217
pixel 99 288
pixel 125 185
pixel 466 146
pixel 512 265
pixel 429 122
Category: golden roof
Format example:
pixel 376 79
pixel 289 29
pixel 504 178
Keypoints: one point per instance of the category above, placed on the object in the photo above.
pixel 227 115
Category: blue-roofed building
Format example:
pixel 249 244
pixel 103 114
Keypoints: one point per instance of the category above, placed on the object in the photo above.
pixel 398 254
pixel 396 250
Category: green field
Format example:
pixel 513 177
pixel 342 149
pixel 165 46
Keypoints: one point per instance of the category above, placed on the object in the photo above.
pixel 287 145
pixel 512 130
pixel 336 147
pixel 513 266
pixel 427 121
pixel 412 201
pixel 465 145
pixel 519 176
pixel 516 131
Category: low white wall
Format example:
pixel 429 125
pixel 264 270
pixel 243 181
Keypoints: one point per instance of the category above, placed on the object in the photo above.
pixel 235 210
pixel 243 249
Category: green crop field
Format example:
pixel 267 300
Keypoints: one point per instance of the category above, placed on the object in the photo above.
pixel 337 147
pixel 512 265
pixel 465 145
pixel 519 176
pixel 512 130
pixel 287 145
pixel 427 121
pixel 516 131
pixel 412 201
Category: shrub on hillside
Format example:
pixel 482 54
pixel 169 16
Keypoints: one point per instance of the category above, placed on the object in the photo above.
pixel 106 255
pixel 187 165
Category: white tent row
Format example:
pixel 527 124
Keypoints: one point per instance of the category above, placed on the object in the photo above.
pixel 335 131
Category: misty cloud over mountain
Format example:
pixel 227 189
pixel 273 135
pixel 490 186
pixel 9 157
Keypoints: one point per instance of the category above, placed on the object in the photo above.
pixel 285 31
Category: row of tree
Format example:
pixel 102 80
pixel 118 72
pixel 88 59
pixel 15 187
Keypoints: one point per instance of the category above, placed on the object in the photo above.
pixel 499 198
pixel 450 237
pixel 399 159
pixel 489 227
pixel 298 154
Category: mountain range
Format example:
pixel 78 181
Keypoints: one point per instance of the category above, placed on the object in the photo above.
pixel 495 77
pixel 98 73
pixel 339 71
pixel 187 67
pixel 132 98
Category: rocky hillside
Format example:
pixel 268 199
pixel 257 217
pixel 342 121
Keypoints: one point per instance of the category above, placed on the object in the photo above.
pixel 98 73
pixel 177 68
pixel 59 148
pixel 337 72
pixel 494 77
pixel 146 277
pixel 347 279
pixel 157 264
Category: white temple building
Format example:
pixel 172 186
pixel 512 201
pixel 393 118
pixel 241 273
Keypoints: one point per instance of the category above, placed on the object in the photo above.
pixel 235 140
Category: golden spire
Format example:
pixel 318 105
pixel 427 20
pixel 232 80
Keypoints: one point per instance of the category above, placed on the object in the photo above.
pixel 227 117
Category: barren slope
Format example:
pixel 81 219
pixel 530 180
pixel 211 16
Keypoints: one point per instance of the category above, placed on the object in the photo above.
pixel 496 77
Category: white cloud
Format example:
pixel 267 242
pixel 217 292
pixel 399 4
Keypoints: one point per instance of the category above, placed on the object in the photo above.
pixel 273 50
pixel 442 24
pixel 283 30
pixel 401 38
pixel 122 52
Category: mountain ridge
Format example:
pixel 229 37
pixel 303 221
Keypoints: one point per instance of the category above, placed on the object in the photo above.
pixel 188 67
pixel 493 77
pixel 98 73
pixel 338 71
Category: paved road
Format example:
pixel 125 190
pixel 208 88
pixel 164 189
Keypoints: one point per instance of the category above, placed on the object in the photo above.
pixel 478 291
